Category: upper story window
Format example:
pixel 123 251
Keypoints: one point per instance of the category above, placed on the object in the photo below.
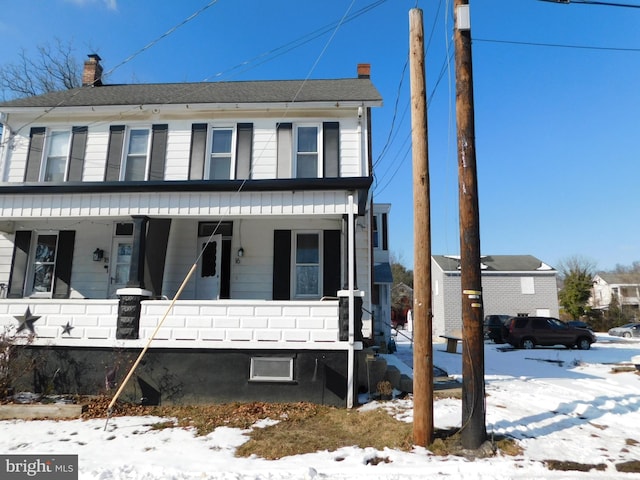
pixel 308 150
pixel 221 159
pixel 308 153
pixel 380 231
pixel 221 152
pixel 137 155
pixel 57 156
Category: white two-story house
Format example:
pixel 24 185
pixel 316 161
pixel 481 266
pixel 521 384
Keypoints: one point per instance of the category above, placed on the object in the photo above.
pixel 226 226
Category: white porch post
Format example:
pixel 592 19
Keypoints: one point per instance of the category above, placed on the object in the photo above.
pixel 351 283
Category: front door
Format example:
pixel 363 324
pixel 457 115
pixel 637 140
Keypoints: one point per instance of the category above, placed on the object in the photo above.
pixel 209 266
pixel 120 265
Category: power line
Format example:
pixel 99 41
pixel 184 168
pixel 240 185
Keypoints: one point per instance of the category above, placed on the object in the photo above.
pixel 556 45
pixel 594 2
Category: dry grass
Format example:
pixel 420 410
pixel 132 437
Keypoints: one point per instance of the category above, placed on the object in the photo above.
pixel 330 429
pixel 301 428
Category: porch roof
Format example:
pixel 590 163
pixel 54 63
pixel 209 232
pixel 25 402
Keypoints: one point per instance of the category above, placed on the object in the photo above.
pixel 184 198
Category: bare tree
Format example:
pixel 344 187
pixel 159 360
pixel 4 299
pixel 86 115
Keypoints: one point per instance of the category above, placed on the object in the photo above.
pixel 51 69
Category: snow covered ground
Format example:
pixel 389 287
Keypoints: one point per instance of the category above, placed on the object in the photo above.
pixel 560 404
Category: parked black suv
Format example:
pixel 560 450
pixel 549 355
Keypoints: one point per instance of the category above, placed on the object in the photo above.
pixel 527 332
pixel 494 327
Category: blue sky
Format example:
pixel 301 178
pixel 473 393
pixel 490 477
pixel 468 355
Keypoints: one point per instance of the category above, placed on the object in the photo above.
pixel 556 126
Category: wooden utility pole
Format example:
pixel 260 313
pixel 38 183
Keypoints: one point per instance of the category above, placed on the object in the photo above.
pixel 474 431
pixel 422 312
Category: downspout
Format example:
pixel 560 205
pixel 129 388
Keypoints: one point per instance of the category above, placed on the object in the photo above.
pixel 4 145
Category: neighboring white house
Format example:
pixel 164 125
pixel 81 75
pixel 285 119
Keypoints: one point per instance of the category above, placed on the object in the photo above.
pixel 511 285
pixel 624 286
pixel 248 203
pixel 382 276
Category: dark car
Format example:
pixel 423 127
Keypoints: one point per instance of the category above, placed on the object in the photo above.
pixel 527 332
pixel 494 327
pixel 578 323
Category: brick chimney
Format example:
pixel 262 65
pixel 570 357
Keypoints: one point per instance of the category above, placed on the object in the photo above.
pixel 92 73
pixel 364 70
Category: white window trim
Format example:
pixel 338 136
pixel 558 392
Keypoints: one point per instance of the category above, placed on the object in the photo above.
pixel 47 149
pixel 32 260
pixel 234 139
pixel 294 249
pixel 125 150
pixel 320 166
pixel 257 378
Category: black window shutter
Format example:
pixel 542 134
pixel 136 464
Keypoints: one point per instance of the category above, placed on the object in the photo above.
pixel 78 147
pixel 34 157
pixel 158 151
pixel 244 150
pixel 385 235
pixel 331 263
pixel 197 154
pixel 281 264
pixel 19 264
pixel 331 149
pixel 155 253
pixel 64 261
pixel 114 153
pixel 285 154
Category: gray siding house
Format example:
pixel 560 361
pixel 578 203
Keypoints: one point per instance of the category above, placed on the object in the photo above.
pixel 231 222
pixel 511 285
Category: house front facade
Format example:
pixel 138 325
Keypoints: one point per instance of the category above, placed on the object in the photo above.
pixel 226 226
pixel 624 287
pixel 516 285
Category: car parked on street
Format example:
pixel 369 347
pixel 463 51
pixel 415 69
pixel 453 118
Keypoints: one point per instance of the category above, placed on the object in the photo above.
pixel 578 323
pixel 627 331
pixel 494 328
pixel 527 332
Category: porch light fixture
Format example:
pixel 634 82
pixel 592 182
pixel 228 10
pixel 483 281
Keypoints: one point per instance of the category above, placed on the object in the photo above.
pixel 98 255
pixel 241 252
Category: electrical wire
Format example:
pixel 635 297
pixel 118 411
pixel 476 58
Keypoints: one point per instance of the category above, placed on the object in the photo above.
pixel 557 45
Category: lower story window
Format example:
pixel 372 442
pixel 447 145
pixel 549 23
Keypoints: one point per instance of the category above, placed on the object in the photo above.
pixel 307 269
pixel 271 369
pixel 44 261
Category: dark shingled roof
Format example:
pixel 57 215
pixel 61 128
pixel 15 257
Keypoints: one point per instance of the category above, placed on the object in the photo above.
pixel 338 90
pixel 621 278
pixel 497 263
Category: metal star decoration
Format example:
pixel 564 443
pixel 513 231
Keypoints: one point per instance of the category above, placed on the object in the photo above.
pixel 26 321
pixel 67 329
